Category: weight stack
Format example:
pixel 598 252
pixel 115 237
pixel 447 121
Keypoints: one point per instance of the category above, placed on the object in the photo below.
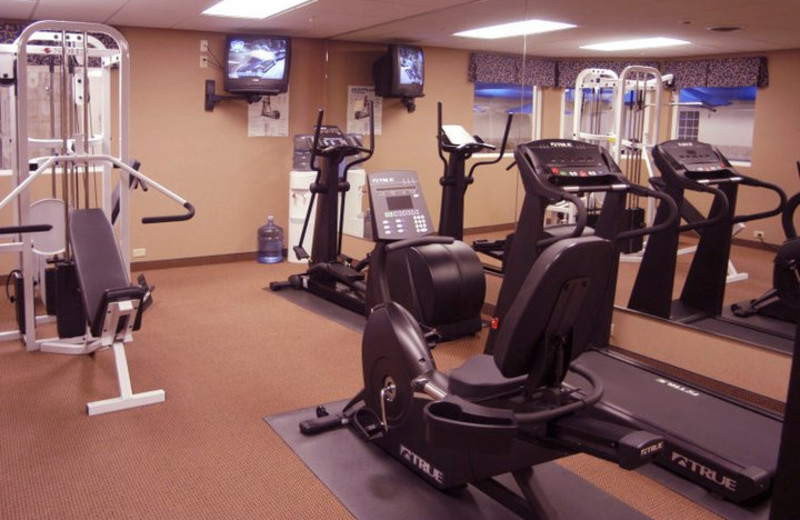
pixel 70 318
pixel 633 218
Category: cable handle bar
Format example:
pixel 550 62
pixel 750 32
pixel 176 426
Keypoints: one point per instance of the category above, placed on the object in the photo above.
pixel 32 228
pixel 85 158
pixel 147 181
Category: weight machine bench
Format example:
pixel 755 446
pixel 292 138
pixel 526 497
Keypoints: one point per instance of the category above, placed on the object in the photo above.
pixel 113 306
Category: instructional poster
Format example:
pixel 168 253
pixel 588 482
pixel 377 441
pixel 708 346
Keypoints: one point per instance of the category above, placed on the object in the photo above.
pixel 269 117
pixel 357 115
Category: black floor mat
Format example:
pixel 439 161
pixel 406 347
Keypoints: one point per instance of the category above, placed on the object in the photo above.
pixel 371 484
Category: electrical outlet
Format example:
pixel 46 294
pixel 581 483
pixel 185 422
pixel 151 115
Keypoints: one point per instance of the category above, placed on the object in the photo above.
pixel 203 62
pixel 758 235
pixel 139 252
pixel 203 45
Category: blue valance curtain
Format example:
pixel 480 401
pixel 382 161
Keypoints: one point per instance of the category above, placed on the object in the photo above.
pixel 486 67
pixel 719 72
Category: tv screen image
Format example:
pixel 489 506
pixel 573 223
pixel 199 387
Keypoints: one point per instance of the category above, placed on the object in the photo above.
pixel 411 67
pixel 262 58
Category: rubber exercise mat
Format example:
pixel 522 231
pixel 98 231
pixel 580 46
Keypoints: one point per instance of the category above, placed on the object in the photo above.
pixel 370 484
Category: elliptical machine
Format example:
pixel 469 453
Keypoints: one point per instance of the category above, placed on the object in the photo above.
pixel 785 283
pixel 441 284
pixel 497 413
pixel 460 146
pixel 330 275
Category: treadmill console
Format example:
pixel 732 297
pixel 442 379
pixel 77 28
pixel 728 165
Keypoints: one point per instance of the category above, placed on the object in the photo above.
pixel 398 207
pixel 567 163
pixel 695 160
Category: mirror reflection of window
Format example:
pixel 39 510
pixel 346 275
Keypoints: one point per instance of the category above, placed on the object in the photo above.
pixel 491 106
pixel 722 116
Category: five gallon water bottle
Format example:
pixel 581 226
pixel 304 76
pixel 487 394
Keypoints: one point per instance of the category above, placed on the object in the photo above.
pixel 270 242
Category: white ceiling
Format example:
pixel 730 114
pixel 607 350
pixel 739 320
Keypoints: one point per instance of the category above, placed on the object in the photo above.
pixel 765 24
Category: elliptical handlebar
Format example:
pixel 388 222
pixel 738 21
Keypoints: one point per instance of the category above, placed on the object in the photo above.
pixel 787 220
pixel 315 143
pixel 368 151
pixel 499 157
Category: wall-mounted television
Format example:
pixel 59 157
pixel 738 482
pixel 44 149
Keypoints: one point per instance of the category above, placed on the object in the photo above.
pixel 400 72
pixel 257 64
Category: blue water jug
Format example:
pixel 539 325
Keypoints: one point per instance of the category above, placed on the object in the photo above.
pixel 270 242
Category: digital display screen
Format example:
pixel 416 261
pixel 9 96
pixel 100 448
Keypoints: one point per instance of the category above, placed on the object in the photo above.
pixel 410 63
pixel 262 58
pixel 401 202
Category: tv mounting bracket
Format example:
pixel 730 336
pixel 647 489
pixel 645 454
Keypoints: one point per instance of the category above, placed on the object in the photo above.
pixel 212 98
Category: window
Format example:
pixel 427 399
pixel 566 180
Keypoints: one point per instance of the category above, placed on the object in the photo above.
pixel 720 116
pixel 492 104
pixel 688 124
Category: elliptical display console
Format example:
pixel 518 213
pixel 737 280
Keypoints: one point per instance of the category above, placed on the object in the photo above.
pixel 438 279
pixel 398 207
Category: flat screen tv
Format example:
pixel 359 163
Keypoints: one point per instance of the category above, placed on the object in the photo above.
pixel 257 64
pixel 400 72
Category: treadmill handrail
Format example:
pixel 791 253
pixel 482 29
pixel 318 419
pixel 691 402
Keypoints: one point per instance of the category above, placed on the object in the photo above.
pixel 655 228
pixel 756 183
pixel 719 196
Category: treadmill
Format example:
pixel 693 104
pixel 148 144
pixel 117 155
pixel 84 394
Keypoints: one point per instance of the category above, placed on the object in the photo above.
pixel 726 446
pixel 699 167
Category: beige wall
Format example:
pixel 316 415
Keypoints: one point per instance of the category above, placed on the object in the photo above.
pixel 235 181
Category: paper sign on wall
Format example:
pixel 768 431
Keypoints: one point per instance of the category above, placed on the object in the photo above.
pixel 269 117
pixel 357 115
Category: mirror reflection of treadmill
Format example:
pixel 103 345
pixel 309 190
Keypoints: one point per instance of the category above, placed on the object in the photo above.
pixel 706 434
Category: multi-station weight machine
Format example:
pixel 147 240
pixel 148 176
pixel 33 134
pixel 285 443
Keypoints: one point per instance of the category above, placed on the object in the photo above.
pixel 58 79
pixel 630 134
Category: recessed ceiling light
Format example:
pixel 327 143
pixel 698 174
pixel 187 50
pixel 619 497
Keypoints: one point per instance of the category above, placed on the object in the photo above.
pixel 251 9
pixel 508 30
pixel 642 43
